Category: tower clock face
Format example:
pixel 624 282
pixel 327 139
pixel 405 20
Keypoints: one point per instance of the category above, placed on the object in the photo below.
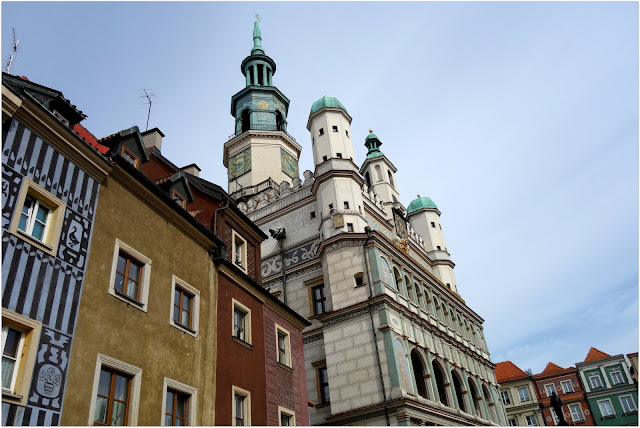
pixel 239 164
pixel 289 164
pixel 401 225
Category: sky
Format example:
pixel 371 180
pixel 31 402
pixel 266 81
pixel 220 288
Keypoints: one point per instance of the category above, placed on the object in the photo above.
pixel 519 119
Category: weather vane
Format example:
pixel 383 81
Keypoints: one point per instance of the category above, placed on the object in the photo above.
pixel 257 17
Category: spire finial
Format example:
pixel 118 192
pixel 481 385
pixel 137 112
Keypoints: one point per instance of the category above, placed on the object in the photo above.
pixel 370 130
pixel 257 37
pixel 418 194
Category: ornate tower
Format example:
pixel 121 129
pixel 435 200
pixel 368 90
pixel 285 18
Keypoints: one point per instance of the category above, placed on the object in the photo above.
pixel 379 173
pixel 337 186
pixel 260 112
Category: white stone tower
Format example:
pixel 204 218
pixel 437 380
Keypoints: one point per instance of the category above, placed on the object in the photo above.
pixel 337 186
pixel 379 174
pixel 423 215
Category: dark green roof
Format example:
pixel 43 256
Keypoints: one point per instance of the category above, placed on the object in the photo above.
pixel 327 102
pixel 421 202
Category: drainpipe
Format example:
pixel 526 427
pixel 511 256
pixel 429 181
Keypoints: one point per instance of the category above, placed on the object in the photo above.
pixel 280 235
pixel 215 216
pixel 373 327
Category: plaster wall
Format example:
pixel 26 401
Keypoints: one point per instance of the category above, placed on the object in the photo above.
pixel 342 265
pixel 314 358
pixel 381 185
pixel 110 326
pixel 331 142
pixel 336 192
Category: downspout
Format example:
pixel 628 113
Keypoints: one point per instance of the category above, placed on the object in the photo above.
pixel 280 235
pixel 215 216
pixel 373 327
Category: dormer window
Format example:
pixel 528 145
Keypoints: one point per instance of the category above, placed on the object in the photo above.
pixel 178 198
pixel 129 156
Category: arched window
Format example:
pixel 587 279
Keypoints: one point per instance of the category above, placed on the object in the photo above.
pixel 457 386
pixel 419 373
pixel 475 398
pixel 397 277
pixel 410 295
pixel 391 179
pixel 440 382
pixel 490 405
pixel 246 125
pixel 385 271
pixel 367 179
pixel 378 173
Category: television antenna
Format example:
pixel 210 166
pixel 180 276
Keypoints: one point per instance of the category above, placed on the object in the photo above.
pixel 14 51
pixel 148 95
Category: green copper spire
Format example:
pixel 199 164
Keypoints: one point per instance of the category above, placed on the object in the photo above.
pixel 373 144
pixel 257 38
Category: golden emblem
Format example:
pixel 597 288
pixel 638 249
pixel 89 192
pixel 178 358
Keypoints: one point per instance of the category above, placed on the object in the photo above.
pixel 263 105
pixel 403 246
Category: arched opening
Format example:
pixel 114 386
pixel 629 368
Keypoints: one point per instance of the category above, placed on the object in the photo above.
pixel 246 125
pixel 391 179
pixel 397 277
pixel 418 374
pixel 410 291
pixel 260 74
pixel 386 272
pixel 489 401
pixel 440 383
pixel 457 386
pixel 279 121
pixel 367 179
pixel 378 173
pixel 475 398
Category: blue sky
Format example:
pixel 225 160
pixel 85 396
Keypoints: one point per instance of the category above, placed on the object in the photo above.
pixel 519 119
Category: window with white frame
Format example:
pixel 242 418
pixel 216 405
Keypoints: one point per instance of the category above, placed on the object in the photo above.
pixel 576 412
pixel 38 217
pixel 241 407
pixel 616 378
pixel 595 382
pixel 606 408
pixel 628 406
pixel 20 337
pixel 506 398
pixel 239 246
pixel 556 419
pixel 283 345
pixel 241 328
pixel 116 393
pixel 523 394
pixel 180 404
pixel 130 275
pixel 549 389
pixel 185 306
pixel 531 420
pixel 286 417
pixel 567 387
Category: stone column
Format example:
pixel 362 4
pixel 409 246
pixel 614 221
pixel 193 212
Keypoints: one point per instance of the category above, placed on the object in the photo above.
pixel 265 82
pixel 585 382
pixel 255 74
pixel 452 389
pixel 248 77
pixel 465 376
pixel 626 372
pixel 604 376
pixel 497 405
pixel 434 385
pixel 270 76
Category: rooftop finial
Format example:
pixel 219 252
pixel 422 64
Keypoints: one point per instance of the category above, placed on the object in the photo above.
pixel 257 37
pixel 418 194
pixel 370 130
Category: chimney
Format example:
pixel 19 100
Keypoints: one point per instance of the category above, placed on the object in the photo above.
pixel 191 169
pixel 152 138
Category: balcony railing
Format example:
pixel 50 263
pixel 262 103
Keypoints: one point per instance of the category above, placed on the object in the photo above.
pixel 258 127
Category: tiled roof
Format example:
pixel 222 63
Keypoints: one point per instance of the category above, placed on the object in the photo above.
pixel 164 179
pixel 595 354
pixel 506 371
pixel 552 368
pixel 89 138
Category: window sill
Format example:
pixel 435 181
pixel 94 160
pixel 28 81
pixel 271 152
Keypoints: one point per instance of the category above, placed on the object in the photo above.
pixel 284 366
pixel 582 421
pixel 322 405
pixel 128 299
pixel 184 329
pixel 8 394
pixel 609 416
pixel 36 242
pixel 633 412
pixel 242 342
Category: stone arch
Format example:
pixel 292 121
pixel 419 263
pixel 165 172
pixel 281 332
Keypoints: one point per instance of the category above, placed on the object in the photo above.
pixel 378 173
pixel 397 277
pixel 441 381
pixel 367 179
pixel 475 397
pixel 420 372
pixel 391 179
pixel 245 118
pixel 459 389
pixel 488 398
pixel 385 271
pixel 410 295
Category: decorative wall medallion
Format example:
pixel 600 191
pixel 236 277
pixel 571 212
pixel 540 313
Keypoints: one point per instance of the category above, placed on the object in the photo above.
pixel 401 225
pixel 51 365
pixel 49 380
pixel 239 164
pixel 263 105
pixel 74 239
pixel 289 164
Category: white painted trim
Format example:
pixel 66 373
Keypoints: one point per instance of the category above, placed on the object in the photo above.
pixel 635 407
pixel 581 412
pixel 246 403
pixel 145 279
pixel 247 320
pixel 136 378
pixel 195 305
pixel 243 256
pixel 610 403
pixel 546 390
pixel 288 412
pixel 186 389
pixel 287 350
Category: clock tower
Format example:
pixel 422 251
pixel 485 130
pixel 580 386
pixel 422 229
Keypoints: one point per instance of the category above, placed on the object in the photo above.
pixel 260 148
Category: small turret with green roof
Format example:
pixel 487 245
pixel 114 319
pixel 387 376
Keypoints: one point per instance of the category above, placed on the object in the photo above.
pixel 373 143
pixel 327 102
pixel 421 202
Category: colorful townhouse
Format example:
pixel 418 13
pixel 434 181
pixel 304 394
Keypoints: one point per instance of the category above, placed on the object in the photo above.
pixel 517 392
pixel 50 183
pixel 610 390
pixel 566 384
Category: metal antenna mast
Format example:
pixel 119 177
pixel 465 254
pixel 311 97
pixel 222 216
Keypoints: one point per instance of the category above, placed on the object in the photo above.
pixel 148 96
pixel 14 49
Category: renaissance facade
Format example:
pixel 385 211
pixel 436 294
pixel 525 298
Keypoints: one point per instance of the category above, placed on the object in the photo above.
pixel 391 340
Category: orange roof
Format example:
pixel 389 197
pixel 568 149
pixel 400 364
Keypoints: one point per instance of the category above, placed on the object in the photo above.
pixel 506 371
pixel 89 138
pixel 595 354
pixel 551 368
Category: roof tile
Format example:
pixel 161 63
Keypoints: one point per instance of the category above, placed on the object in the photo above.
pixel 595 354
pixel 506 371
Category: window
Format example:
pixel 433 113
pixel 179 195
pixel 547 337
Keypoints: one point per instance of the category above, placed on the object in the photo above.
pixel 335 128
pixel 116 392
pixel 130 276
pixel 512 423
pixel 349 227
pixel 185 306
pixel 241 322
pixel 523 393
pixel 12 343
pixel 628 406
pixel 179 404
pixel 38 217
pixel 129 156
pixel 506 399
pixel 550 389
pixel 346 205
pixel 287 417
pixel 531 420
pixel 312 215
pixel 321 131
pixel 178 198
pixel 576 412
pixel 606 409
pixel 323 385
pixel 616 377
pixel 324 158
pixel 595 382
pixel 319 299
pixel 346 131
pixel 283 344
pixel 566 386
pixel 438 247
pixel 330 207
pixel 339 155
pixel 433 224
pixel 556 419
pixel 359 279
pixel 241 407
pixel 239 251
